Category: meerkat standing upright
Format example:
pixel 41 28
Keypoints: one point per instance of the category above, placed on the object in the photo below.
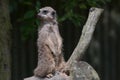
pixel 49 42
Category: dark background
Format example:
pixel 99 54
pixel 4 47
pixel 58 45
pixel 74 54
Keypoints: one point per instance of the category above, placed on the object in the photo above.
pixel 103 52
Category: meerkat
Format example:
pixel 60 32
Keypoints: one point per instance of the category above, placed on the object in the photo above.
pixel 49 42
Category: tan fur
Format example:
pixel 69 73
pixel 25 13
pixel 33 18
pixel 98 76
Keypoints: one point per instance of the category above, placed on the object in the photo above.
pixel 49 42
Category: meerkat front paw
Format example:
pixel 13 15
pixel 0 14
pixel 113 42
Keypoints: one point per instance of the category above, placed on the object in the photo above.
pixel 49 75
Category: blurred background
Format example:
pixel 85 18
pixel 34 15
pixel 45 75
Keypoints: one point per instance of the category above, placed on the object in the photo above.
pixel 18 34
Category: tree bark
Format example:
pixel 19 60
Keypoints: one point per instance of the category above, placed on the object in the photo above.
pixel 87 32
pixel 5 41
pixel 80 70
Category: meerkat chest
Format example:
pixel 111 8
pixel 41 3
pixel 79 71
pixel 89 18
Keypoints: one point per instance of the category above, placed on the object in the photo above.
pixel 49 31
pixel 54 34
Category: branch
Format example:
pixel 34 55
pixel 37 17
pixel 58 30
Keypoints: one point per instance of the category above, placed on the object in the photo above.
pixel 86 36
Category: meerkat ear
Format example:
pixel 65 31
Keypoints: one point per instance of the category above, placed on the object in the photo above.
pixel 54 15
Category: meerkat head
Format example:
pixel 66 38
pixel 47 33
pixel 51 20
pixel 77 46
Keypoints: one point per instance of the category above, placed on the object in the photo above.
pixel 47 14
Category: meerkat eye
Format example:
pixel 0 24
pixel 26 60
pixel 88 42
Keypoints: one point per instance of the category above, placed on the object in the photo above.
pixel 53 14
pixel 44 11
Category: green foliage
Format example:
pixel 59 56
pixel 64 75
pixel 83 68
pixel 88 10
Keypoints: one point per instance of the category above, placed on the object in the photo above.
pixel 26 17
pixel 74 11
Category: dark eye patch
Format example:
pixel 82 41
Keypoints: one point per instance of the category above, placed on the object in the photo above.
pixel 53 14
pixel 44 11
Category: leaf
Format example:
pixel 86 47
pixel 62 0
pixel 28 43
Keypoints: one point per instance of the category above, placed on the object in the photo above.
pixel 82 6
pixel 27 3
pixel 13 6
pixel 27 31
pixel 29 14
pixel 37 5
